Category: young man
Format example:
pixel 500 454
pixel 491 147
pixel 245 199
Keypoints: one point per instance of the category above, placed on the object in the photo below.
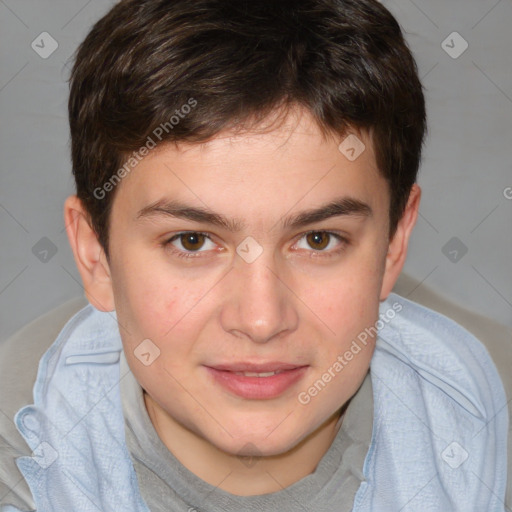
pixel 246 192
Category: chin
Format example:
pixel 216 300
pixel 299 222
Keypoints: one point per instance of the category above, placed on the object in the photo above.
pixel 265 443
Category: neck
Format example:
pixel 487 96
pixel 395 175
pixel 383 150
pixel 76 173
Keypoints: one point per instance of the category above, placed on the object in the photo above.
pixel 243 476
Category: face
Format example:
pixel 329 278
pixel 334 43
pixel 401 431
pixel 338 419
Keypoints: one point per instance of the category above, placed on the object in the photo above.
pixel 228 258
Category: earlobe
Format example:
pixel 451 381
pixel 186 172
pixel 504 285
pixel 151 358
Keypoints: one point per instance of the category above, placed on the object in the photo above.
pixel 397 250
pixel 89 255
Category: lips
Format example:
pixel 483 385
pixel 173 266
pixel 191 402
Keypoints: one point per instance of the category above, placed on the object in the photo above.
pixel 256 381
pixel 258 374
pixel 256 368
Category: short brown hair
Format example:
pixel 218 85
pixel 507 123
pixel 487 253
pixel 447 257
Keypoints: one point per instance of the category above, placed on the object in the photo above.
pixel 345 61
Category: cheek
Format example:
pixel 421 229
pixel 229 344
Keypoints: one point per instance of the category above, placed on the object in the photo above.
pixel 164 308
pixel 151 308
pixel 348 302
pixel 147 301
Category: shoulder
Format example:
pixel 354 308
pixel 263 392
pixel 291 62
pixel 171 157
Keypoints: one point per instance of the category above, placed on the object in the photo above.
pixel 19 362
pixel 493 336
pixel 489 336
pixel 442 352
pixel 482 345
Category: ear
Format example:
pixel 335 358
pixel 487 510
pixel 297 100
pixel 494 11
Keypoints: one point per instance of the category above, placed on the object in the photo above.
pixel 89 255
pixel 397 249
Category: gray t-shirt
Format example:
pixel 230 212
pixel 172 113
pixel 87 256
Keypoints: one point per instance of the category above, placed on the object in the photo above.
pixel 166 485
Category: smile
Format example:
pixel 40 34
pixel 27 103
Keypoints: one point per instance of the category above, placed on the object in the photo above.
pixel 264 384
pixel 254 374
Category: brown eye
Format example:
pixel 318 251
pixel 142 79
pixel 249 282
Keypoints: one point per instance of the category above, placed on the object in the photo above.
pixel 323 244
pixel 189 244
pixel 192 241
pixel 318 240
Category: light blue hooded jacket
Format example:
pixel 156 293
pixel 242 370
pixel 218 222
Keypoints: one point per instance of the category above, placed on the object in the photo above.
pixel 439 439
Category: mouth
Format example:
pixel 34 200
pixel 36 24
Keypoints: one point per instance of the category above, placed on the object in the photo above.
pixel 256 381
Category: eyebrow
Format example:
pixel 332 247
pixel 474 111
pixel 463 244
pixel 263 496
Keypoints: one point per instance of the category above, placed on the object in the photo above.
pixel 342 206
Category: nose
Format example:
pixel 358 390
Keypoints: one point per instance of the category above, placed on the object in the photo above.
pixel 259 304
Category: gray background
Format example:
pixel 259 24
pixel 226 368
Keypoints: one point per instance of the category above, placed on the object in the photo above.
pixel 466 174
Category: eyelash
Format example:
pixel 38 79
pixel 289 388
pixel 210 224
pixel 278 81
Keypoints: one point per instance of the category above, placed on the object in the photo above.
pixel 181 254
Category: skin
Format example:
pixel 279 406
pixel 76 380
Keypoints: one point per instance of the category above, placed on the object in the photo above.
pixel 293 303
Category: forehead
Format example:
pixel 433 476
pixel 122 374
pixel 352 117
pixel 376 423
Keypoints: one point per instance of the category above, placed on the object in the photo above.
pixel 274 167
